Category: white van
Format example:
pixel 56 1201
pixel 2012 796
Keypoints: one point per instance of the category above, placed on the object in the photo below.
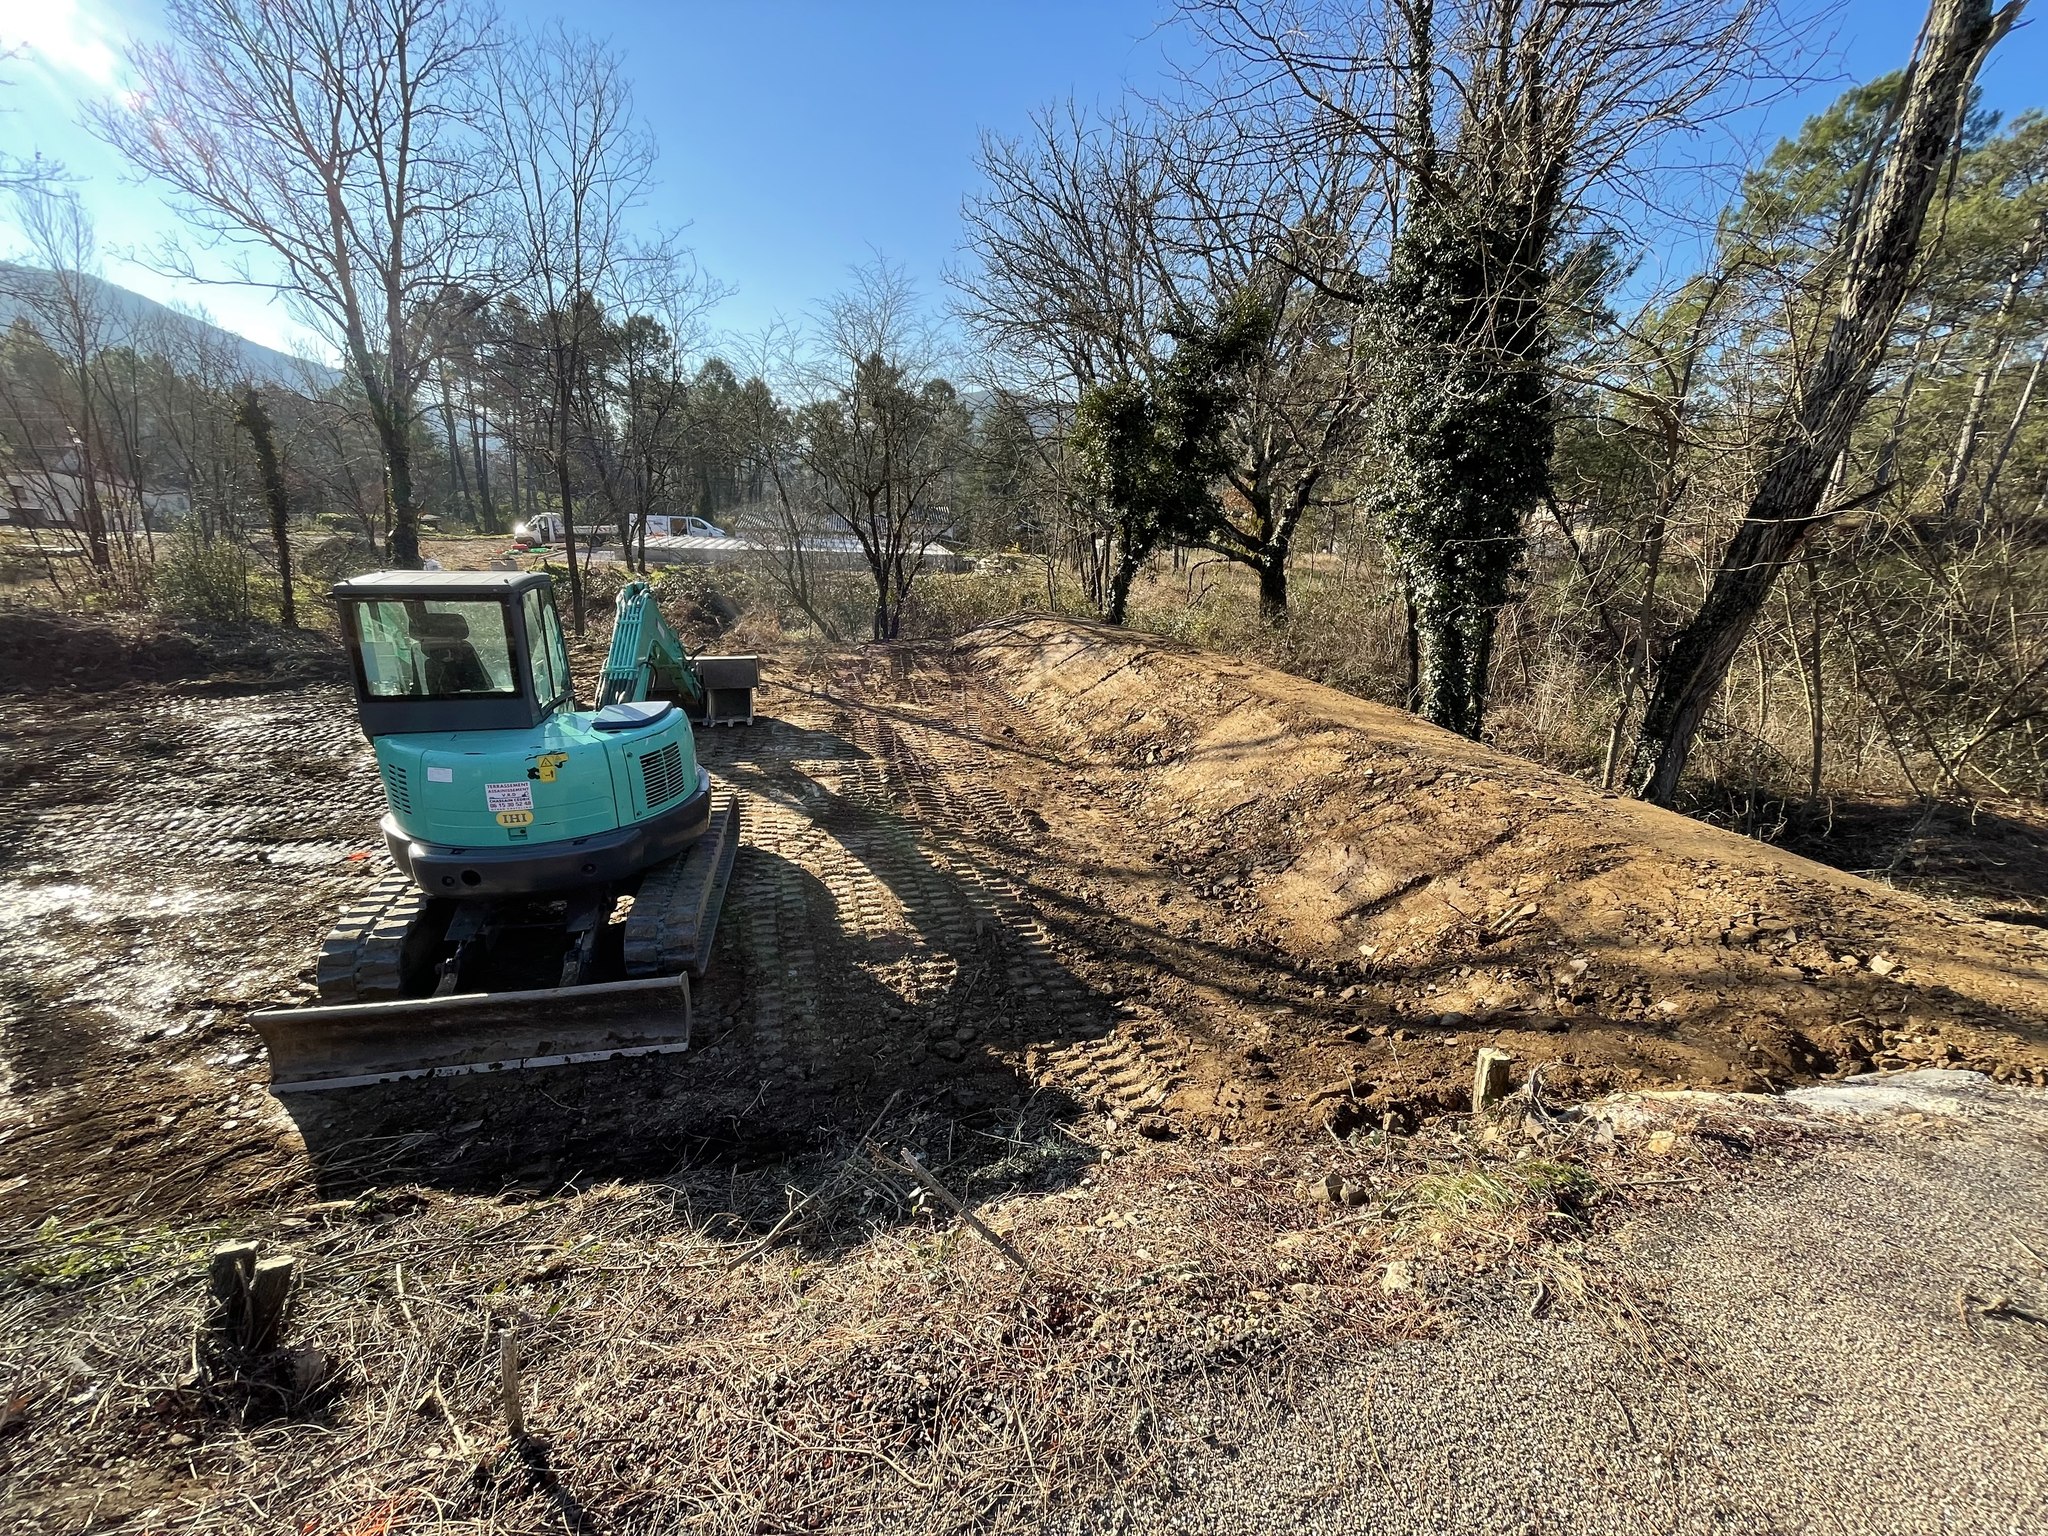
pixel 683 528
pixel 546 528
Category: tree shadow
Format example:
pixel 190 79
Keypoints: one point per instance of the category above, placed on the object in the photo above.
pixel 1992 859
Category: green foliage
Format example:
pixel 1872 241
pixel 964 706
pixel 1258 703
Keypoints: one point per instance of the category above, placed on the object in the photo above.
pixel 1798 197
pixel 56 1258
pixel 1448 1202
pixel 1153 451
pixel 196 577
pixel 881 450
pixel 1791 211
pixel 993 508
pixel 1462 426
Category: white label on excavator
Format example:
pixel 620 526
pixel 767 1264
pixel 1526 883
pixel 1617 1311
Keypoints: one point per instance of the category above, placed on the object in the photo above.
pixel 517 796
pixel 440 775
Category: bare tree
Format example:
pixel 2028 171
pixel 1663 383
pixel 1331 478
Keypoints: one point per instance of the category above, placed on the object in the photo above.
pixel 1066 293
pixel 883 433
pixel 255 420
pixel 325 144
pixel 65 306
pixel 578 163
pixel 1831 391
pixel 35 173
pixel 1507 126
pixel 1270 219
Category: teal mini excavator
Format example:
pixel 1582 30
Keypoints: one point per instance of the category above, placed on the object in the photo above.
pixel 557 873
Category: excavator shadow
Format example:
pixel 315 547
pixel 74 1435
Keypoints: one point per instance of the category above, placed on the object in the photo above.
pixel 823 1042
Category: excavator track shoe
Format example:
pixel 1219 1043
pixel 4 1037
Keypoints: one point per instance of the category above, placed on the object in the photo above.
pixel 675 913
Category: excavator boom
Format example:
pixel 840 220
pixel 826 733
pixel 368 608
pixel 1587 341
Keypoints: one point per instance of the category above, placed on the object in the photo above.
pixel 648 659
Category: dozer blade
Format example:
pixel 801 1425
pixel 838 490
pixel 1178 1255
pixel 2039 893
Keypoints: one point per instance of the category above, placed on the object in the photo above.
pixel 352 1045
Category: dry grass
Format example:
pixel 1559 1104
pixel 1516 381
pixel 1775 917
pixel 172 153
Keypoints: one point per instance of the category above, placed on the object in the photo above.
pixel 804 1347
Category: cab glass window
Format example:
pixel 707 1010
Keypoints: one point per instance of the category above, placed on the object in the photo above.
pixel 544 643
pixel 557 647
pixel 434 648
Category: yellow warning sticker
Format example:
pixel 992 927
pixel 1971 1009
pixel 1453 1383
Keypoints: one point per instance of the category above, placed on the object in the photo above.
pixel 515 818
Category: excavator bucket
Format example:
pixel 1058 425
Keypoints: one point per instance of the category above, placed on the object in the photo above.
pixel 352 1045
pixel 729 684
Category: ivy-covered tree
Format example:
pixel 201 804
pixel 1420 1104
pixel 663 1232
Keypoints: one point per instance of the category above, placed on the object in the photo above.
pixel 1152 452
pixel 1462 430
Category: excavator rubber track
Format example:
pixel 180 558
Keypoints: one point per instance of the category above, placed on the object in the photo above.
pixel 363 958
pixel 675 914
pixel 380 1020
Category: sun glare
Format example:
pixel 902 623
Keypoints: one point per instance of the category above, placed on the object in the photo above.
pixel 65 37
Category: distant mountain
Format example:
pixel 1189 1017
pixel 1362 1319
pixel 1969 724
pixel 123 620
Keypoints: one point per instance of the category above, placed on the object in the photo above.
pixel 133 319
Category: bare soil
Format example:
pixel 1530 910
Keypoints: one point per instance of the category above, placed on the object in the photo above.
pixel 1339 903
pixel 1202 896
pixel 1077 916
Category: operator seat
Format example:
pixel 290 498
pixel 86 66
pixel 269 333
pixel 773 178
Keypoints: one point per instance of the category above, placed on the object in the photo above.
pixel 451 661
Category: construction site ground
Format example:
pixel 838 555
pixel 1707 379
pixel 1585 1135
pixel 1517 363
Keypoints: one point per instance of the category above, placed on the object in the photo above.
pixel 1177 967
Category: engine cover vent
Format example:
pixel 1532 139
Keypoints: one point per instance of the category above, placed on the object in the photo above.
pixel 398 789
pixel 661 774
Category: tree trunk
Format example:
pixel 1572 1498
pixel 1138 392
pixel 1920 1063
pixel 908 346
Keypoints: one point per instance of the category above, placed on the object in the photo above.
pixel 567 360
pixel 569 540
pixel 1980 390
pixel 1412 648
pixel 1816 714
pixel 402 532
pixel 481 458
pixel 455 465
pixel 256 422
pixel 1273 590
pixel 1453 651
pixel 1831 393
pixel 95 520
pixel 1126 572
pixel 2012 430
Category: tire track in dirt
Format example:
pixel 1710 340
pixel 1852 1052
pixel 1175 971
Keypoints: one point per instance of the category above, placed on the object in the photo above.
pixel 921 803
pixel 170 858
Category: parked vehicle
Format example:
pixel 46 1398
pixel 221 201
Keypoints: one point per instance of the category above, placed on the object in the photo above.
pixel 546 528
pixel 683 527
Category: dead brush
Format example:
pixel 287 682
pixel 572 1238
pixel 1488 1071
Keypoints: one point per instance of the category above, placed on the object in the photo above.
pixel 1496 1200
pixel 798 1347
pixel 802 1346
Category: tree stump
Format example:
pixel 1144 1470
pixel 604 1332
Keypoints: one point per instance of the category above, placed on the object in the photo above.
pixel 228 1274
pixel 270 1299
pixel 1489 1079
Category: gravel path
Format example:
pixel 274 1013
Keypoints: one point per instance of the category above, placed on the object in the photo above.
pixel 1818 1376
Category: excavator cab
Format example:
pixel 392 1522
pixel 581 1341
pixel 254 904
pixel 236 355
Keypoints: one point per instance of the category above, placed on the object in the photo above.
pixel 454 650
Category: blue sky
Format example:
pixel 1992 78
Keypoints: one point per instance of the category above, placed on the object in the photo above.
pixel 798 136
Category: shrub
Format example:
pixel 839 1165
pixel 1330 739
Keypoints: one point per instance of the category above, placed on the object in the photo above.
pixel 339 557
pixel 196 577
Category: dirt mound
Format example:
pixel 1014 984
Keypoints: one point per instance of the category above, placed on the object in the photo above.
pixel 1442 894
pixel 42 650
